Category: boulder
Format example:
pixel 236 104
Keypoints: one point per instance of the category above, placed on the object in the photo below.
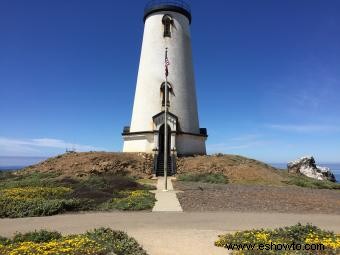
pixel 307 167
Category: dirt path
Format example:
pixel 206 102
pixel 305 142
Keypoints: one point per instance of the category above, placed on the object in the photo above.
pixel 169 233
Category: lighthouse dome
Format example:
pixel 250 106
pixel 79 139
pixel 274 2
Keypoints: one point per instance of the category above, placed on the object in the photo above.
pixel 164 5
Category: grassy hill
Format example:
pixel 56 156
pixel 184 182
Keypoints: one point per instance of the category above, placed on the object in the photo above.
pixel 103 181
pixel 236 168
pixel 96 163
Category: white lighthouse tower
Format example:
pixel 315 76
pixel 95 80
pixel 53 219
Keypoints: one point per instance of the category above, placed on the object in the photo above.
pixel 167 26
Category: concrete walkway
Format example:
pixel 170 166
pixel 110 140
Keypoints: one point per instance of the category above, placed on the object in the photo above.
pixel 167 201
pixel 163 233
pixel 169 233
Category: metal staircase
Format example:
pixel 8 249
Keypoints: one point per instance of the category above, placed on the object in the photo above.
pixel 160 166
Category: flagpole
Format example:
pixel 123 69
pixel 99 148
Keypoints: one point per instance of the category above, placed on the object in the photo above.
pixel 166 124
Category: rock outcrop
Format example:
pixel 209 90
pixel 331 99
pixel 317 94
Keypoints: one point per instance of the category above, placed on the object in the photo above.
pixel 307 167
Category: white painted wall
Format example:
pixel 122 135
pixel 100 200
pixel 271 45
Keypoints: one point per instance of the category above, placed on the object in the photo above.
pixel 185 144
pixel 139 143
pixel 151 74
pixel 147 102
pixel 190 145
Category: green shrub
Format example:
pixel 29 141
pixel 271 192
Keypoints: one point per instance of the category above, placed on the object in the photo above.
pixel 39 194
pixel 298 234
pixel 307 182
pixel 204 177
pixel 4 240
pixel 36 207
pixel 40 236
pixel 5 175
pixel 103 241
pixel 116 241
pixel 111 183
pixel 34 193
pixel 131 200
pixel 28 180
pixel 36 201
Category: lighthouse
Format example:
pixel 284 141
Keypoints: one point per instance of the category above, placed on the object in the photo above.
pixel 165 74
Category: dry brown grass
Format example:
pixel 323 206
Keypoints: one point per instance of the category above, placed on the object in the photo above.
pixel 238 169
pixel 96 163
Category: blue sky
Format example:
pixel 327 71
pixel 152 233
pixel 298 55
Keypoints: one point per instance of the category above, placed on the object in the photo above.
pixel 267 76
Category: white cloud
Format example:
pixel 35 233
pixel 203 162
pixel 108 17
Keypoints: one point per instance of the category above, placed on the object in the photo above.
pixel 39 146
pixel 306 128
pixel 238 143
pixel 223 147
pixel 247 137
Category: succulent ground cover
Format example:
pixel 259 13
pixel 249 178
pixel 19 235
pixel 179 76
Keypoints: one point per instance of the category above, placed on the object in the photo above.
pixel 307 240
pixel 131 200
pixel 40 194
pixel 306 182
pixel 203 177
pixel 103 241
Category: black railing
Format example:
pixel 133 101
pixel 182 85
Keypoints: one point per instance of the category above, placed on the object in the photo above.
pixel 126 129
pixel 178 3
pixel 203 131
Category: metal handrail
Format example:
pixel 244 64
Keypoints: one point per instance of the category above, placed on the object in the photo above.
pixel 179 3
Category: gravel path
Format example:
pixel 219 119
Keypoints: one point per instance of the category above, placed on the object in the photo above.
pixel 256 198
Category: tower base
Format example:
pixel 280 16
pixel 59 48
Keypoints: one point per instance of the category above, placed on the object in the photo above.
pixel 183 144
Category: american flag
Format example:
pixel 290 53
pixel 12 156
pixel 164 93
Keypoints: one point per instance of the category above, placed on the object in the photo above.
pixel 167 63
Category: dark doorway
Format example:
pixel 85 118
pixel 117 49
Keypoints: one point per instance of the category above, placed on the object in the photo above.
pixel 160 158
pixel 162 140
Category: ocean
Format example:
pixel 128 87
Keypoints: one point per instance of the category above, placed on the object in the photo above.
pixel 15 163
pixel 334 167
pixel 10 168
